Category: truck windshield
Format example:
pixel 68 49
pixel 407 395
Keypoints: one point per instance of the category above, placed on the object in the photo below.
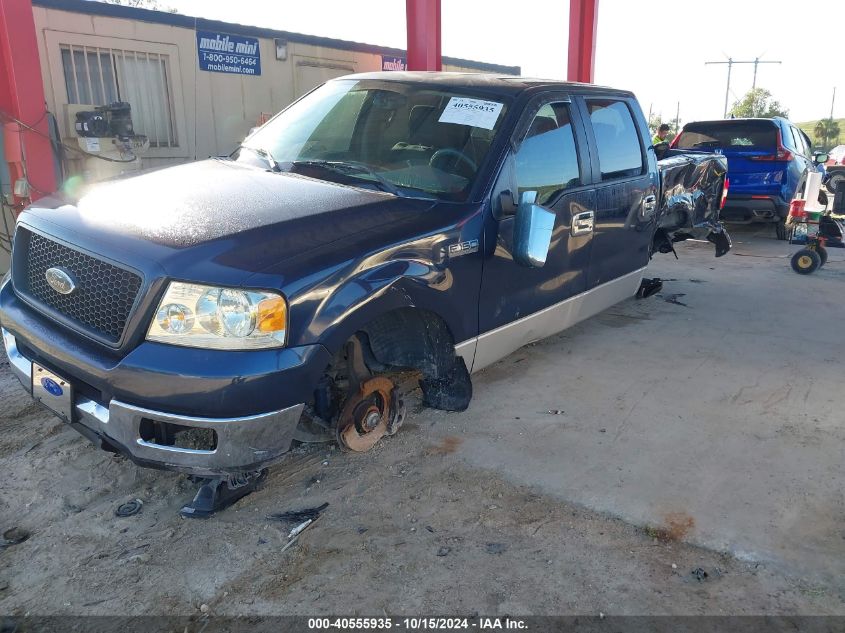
pixel 408 139
pixel 728 134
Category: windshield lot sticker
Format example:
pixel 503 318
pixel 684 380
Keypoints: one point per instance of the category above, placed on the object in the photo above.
pixel 474 112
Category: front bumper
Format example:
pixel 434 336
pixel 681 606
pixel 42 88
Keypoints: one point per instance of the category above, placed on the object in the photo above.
pixel 251 401
pixel 242 443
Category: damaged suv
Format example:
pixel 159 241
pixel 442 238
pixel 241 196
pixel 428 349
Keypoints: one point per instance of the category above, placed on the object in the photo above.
pixel 200 318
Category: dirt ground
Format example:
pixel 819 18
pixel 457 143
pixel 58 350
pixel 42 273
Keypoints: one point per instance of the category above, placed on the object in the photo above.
pixel 692 464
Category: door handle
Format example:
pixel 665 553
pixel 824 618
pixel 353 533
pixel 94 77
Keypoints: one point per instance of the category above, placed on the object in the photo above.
pixel 649 203
pixel 583 223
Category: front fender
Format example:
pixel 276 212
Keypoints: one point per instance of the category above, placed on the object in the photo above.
pixel 337 290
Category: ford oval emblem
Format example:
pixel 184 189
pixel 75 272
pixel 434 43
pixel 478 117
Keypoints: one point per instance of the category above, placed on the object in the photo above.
pixel 51 387
pixel 60 281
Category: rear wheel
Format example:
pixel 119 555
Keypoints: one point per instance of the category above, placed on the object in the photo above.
pixel 806 261
pixel 780 229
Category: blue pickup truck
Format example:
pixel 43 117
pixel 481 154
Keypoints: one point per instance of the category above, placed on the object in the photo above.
pixel 201 318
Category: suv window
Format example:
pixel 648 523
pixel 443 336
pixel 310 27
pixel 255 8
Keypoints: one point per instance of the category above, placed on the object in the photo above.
pixel 801 142
pixel 617 140
pixel 547 161
pixel 728 134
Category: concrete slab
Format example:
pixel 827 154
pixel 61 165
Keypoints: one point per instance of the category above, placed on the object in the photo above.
pixel 717 417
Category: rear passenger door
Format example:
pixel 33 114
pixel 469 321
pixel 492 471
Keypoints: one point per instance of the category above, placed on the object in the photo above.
pixel 626 188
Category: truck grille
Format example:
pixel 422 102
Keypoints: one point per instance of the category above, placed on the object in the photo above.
pixel 104 294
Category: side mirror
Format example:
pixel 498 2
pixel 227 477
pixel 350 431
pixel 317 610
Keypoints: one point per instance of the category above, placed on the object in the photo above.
pixel 532 231
pixel 820 158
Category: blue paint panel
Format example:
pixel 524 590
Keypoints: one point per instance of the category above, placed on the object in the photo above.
pixel 227 53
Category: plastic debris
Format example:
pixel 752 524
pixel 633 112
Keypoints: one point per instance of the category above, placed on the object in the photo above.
pixel 699 574
pixel 130 508
pixel 299 528
pixel 298 516
pixel 14 536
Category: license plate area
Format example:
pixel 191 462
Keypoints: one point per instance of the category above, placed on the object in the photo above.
pixel 53 391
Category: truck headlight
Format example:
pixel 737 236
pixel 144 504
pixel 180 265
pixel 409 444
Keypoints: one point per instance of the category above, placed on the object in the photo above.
pixel 194 315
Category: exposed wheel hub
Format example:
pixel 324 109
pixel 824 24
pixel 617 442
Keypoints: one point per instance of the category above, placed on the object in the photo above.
pixel 367 415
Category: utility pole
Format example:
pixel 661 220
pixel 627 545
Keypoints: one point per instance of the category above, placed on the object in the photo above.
pixel 731 61
pixel 756 62
pixel 678 118
pixel 832 101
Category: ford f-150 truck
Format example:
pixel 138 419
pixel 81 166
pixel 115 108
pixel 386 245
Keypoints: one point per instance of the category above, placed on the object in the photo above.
pixel 199 318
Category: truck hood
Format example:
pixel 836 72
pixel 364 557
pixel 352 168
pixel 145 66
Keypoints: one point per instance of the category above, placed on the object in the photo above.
pixel 215 212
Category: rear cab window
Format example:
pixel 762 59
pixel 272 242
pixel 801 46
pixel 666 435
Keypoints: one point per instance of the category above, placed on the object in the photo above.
pixel 709 135
pixel 617 141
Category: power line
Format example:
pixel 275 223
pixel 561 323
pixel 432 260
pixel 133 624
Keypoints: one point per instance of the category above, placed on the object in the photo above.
pixel 730 62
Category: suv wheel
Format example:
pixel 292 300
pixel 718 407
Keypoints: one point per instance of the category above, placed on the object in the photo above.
pixel 780 229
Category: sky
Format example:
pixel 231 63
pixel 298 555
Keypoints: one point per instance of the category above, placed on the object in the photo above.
pixel 656 48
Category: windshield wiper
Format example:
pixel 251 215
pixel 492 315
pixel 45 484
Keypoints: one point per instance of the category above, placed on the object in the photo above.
pixel 349 167
pixel 263 153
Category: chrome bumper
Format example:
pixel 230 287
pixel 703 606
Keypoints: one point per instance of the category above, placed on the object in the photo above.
pixel 244 443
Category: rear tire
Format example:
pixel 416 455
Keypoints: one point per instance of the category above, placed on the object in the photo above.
pixel 822 252
pixel 805 261
pixel 780 229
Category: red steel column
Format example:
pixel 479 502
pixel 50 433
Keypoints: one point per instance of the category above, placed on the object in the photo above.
pixel 22 96
pixel 423 22
pixel 583 19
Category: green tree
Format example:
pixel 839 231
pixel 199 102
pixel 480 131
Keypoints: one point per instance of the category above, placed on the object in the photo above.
pixel 826 130
pixel 758 103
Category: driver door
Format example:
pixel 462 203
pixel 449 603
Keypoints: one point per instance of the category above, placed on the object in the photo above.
pixel 519 304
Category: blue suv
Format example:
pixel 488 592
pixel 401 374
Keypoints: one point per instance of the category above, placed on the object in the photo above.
pixel 768 162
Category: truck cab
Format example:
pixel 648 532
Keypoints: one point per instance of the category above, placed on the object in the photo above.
pixel 199 318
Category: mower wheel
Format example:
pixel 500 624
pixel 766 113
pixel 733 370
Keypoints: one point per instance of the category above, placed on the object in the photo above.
pixel 822 251
pixel 806 261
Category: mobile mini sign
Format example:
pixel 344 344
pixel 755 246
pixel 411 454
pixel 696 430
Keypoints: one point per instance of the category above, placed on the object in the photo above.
pixel 225 53
pixel 391 62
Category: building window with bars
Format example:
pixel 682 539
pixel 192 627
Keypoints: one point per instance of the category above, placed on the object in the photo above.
pixel 100 76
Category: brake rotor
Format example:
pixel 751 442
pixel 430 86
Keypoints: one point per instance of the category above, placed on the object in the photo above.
pixel 367 415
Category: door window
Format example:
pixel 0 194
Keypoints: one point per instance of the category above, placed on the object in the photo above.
pixel 547 160
pixel 618 143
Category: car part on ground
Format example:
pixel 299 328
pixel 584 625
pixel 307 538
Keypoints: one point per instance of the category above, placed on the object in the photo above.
pixel 219 493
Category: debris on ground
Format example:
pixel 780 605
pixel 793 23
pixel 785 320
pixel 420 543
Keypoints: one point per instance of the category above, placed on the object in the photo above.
pixel 444 551
pixel 673 298
pixel 555 411
pixel 300 528
pixel 649 287
pixel 129 508
pixel 14 536
pixel 496 548
pixel 296 532
pixel 298 516
pixel 699 574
